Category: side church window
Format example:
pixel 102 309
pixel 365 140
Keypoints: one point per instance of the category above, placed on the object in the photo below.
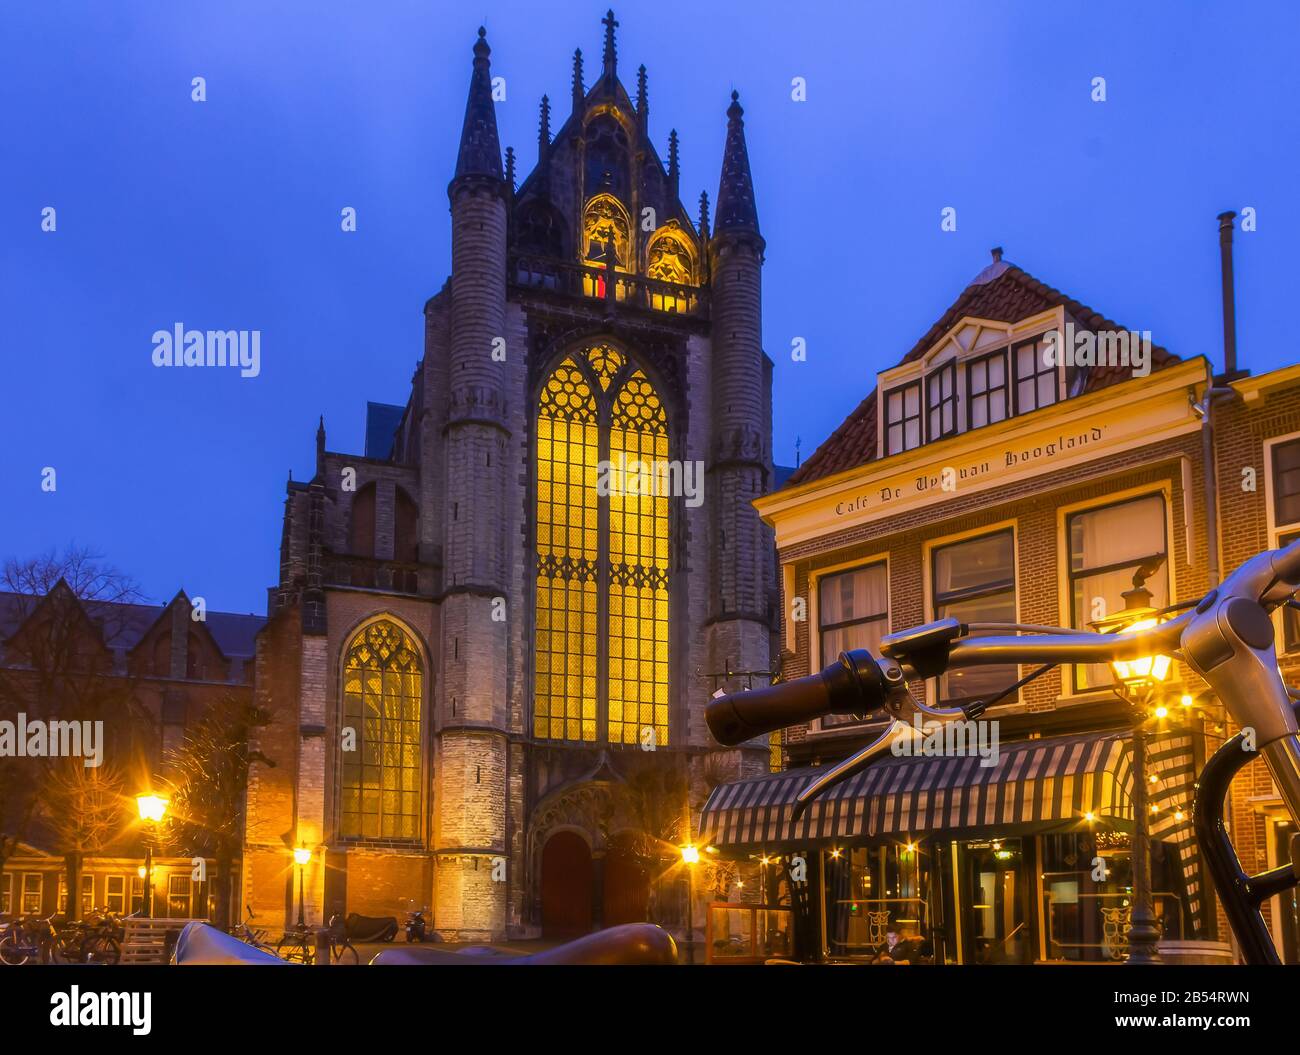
pixel 601 649
pixel 383 694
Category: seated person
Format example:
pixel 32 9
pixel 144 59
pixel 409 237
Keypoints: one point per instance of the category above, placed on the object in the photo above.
pixel 902 944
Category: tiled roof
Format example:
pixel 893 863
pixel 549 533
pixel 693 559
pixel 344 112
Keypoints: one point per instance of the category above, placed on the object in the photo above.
pixel 123 625
pixel 1001 292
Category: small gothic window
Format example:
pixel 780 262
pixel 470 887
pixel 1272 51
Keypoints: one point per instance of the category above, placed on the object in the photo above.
pixel 383 694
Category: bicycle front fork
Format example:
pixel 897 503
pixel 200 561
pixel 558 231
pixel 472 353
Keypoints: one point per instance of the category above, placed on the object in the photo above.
pixel 1242 894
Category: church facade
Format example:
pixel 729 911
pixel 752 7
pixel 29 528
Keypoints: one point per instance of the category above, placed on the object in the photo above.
pixel 495 631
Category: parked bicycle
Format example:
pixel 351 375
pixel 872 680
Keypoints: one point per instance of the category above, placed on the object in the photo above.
pixel 246 932
pixel 1227 637
pixel 31 939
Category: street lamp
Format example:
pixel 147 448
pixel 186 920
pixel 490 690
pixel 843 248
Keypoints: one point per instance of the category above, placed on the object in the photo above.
pixel 1136 682
pixel 151 808
pixel 690 858
pixel 301 857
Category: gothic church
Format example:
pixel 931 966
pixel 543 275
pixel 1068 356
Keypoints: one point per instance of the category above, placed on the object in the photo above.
pixel 487 669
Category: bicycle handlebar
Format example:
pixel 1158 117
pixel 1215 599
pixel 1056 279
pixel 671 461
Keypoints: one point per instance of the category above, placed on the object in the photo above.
pixel 1227 638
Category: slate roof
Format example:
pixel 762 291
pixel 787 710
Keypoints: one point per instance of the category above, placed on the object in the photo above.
pixel 125 624
pixel 1001 292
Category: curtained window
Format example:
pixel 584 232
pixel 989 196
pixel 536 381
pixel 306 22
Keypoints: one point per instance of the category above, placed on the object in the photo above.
pixel 1107 545
pixel 974 580
pixel 941 402
pixel 852 612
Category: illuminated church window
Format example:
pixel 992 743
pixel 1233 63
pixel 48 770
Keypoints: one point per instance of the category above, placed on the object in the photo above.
pixel 669 260
pixel 607 238
pixel 602 560
pixel 383 697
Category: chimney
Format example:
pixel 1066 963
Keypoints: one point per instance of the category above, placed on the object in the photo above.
pixel 1230 370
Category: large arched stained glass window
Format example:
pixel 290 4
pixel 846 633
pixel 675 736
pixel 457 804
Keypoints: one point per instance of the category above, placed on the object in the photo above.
pixel 601 648
pixel 383 697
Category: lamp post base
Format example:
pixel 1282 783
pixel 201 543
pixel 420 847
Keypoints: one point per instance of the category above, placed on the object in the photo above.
pixel 1143 938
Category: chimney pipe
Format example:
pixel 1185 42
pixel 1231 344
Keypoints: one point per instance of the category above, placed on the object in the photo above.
pixel 1229 298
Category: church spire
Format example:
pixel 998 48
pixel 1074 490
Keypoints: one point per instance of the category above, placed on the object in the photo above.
pixel 704 215
pixel 736 209
pixel 611 50
pixel 579 93
pixel 544 130
pixel 480 149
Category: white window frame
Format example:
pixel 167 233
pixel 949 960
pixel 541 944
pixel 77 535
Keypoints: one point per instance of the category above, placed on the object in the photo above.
pixel 815 624
pixel 1014 701
pixel 1276 530
pixel 1066 606
pixel 40 893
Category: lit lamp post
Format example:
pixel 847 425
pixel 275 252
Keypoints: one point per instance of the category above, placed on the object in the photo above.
pixel 690 858
pixel 1136 682
pixel 301 857
pixel 152 808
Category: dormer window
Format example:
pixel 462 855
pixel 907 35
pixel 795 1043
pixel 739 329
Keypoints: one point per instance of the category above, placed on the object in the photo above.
pixel 1036 384
pixel 941 401
pixel 903 418
pixel 987 392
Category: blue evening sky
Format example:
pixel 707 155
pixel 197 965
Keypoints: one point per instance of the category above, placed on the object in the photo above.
pixel 225 214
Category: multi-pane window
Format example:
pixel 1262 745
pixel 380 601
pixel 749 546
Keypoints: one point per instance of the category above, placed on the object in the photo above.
pixel 941 402
pixel 137 893
pixel 1108 545
pixel 178 896
pixel 1035 376
pixel 115 894
pixel 6 892
pixel 974 580
pixel 903 418
pixel 852 612
pixel 1285 484
pixel 987 395
pixel 33 889
pixel 601 650
pixel 87 892
pixel 383 694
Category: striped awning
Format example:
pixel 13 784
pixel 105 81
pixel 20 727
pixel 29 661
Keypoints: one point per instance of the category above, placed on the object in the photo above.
pixel 1044 785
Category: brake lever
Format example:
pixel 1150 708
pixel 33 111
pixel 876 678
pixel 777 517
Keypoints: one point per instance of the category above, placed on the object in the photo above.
pixel 901 705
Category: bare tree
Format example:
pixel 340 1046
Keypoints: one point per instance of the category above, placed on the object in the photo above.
pixel 207 782
pixel 85 811
pixel 63 610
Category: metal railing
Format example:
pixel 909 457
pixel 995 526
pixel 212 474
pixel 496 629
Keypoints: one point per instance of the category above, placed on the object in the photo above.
pixel 598 283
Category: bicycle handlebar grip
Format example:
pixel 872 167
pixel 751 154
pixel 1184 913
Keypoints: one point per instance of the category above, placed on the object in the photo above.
pixel 853 685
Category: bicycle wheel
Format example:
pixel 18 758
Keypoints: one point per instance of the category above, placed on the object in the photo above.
pixel 345 954
pixel 295 950
pixel 13 953
pixel 101 948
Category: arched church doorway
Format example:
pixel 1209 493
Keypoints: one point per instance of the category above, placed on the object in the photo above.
pixel 566 886
pixel 627 884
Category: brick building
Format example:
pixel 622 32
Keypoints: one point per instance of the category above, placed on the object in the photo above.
pixel 159 662
pixel 984 480
pixel 487 668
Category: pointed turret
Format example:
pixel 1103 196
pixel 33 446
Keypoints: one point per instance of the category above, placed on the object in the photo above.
pixel 579 92
pixel 736 208
pixel 611 49
pixel 480 149
pixel 544 132
pixel 320 446
pixel 642 100
pixel 674 172
pixel 704 216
